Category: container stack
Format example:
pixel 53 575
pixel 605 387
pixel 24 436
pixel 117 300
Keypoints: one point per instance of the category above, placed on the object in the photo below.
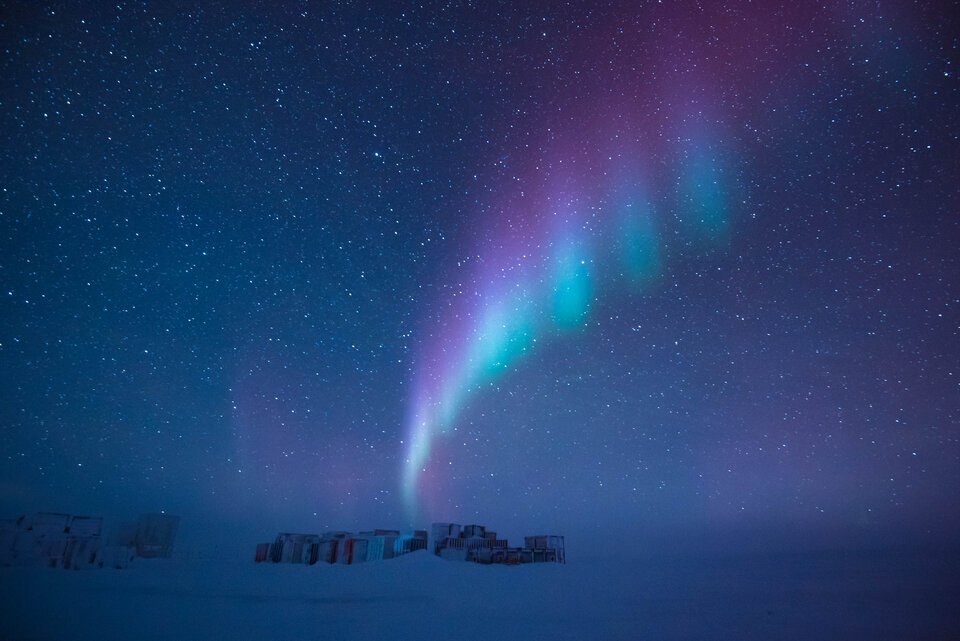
pixel 475 543
pixel 344 548
pixel 56 540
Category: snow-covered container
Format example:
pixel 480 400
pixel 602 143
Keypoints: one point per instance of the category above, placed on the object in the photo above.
pixel 81 552
pixel 546 548
pixel 380 547
pixel 38 539
pixel 407 543
pixel 476 543
pixel 332 546
pixel 313 554
pixel 351 551
pixel 549 555
pixel 462 549
pixel 155 535
pixel 453 553
pixel 327 550
pixel 290 547
pixel 310 549
pixel 117 557
pixel 441 531
pixel 46 523
pixel 85 526
pixel 24 549
pixel 50 549
pixel 356 550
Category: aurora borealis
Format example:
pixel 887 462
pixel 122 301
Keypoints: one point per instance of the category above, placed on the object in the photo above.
pixel 576 226
pixel 684 267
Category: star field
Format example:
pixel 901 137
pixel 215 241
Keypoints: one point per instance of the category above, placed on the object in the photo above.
pixel 674 265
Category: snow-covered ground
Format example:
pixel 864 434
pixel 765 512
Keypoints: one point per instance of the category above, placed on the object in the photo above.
pixel 788 596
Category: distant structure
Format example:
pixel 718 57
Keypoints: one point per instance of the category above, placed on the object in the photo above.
pixel 340 547
pixel 55 540
pixel 475 543
pixel 450 541
pixel 51 540
pixel 155 535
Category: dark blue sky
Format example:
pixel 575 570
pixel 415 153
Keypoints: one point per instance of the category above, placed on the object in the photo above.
pixel 347 265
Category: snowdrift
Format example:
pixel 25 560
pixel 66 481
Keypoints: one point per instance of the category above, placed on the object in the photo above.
pixel 420 596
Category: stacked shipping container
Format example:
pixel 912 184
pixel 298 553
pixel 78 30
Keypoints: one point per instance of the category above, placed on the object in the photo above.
pixel 340 547
pixel 49 539
pixel 475 543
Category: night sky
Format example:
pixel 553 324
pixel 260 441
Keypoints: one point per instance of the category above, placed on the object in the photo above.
pixel 680 267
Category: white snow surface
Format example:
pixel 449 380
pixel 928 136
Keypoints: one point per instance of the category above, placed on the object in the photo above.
pixel 419 596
